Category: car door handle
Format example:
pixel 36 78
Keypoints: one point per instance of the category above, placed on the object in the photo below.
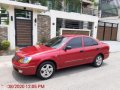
pixel 97 48
pixel 81 51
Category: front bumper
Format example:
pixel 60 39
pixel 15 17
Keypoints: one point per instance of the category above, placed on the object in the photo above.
pixel 24 69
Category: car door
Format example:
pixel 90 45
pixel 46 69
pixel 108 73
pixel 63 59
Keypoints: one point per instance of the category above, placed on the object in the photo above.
pixel 73 56
pixel 91 49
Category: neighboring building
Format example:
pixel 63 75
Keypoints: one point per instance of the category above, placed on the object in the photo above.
pixel 30 23
pixel 108 8
pixel 109 23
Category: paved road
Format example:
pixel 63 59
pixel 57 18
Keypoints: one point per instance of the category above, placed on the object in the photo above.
pixel 83 77
pixel 114 45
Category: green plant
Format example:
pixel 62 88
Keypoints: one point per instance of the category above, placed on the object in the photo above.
pixel 95 3
pixel 43 39
pixel 5 44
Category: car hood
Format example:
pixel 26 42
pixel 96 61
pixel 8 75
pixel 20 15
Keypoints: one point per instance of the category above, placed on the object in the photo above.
pixel 31 50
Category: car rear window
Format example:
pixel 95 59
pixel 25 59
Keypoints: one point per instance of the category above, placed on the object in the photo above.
pixel 89 42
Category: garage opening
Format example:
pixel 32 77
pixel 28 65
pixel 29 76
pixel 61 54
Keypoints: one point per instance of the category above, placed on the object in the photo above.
pixel 23 27
pixel 74 27
pixel 107 31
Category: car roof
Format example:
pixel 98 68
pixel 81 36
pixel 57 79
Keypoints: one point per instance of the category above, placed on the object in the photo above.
pixel 72 36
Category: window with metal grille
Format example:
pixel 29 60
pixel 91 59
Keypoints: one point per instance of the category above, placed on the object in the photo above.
pixel 23 14
pixel 4 16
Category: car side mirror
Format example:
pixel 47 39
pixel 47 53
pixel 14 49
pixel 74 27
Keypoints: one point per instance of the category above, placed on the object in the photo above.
pixel 67 48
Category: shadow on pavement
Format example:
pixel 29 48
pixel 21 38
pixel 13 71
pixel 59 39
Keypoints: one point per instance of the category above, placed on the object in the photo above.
pixel 63 72
pixel 76 69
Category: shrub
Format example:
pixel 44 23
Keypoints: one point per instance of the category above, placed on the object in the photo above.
pixel 5 44
pixel 43 39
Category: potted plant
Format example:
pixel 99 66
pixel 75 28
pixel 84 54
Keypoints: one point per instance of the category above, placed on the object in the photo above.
pixel 4 46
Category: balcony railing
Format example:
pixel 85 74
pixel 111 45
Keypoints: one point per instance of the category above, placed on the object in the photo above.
pixel 90 11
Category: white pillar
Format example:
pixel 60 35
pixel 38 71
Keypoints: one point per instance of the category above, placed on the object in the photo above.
pixel 85 24
pixel 95 27
pixel 11 27
pixel 118 32
pixel 53 26
pixel 35 27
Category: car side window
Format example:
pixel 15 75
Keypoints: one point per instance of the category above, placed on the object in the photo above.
pixel 75 42
pixel 89 42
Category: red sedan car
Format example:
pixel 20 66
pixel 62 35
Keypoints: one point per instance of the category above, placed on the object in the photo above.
pixel 59 52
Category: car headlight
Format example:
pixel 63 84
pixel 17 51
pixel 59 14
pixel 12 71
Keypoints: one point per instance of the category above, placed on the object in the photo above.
pixel 25 60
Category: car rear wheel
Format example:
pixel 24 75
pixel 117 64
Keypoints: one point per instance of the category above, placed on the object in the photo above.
pixel 46 70
pixel 98 61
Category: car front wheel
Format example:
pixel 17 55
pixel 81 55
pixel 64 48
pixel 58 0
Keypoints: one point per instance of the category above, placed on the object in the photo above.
pixel 46 70
pixel 98 61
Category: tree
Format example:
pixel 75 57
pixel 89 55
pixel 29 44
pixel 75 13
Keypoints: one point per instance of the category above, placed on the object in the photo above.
pixel 43 2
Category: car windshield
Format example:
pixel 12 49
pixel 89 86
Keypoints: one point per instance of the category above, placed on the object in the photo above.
pixel 56 42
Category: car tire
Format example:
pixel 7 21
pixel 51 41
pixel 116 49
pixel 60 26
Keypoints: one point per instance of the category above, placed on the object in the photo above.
pixel 98 61
pixel 46 70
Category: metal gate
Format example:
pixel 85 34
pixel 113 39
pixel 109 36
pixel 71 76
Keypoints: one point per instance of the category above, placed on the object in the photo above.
pixel 23 27
pixel 107 31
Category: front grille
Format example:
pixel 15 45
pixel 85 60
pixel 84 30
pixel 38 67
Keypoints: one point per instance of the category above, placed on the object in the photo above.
pixel 16 58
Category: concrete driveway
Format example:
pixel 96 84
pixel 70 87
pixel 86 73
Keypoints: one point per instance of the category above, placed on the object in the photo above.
pixel 114 45
pixel 83 77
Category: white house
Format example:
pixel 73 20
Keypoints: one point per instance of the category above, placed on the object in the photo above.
pixel 28 23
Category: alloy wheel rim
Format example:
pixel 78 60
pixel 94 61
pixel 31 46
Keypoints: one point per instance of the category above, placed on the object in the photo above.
pixel 46 70
pixel 99 60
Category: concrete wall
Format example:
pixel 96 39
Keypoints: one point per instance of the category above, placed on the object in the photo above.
pixel 3 33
